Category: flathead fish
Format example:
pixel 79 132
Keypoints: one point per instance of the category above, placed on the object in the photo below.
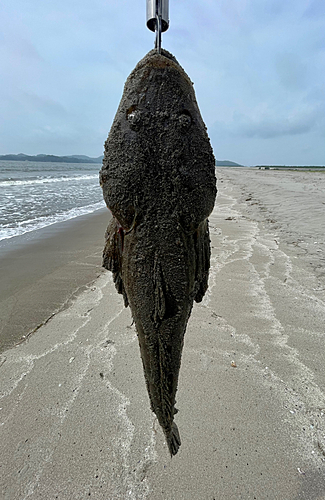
pixel 158 180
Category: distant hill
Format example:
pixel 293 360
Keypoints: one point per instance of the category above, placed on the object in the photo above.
pixel 84 159
pixel 227 163
pixel 98 159
pixel 52 158
pixel 288 167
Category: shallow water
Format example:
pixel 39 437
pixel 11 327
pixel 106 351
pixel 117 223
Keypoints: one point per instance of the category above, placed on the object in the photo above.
pixel 36 194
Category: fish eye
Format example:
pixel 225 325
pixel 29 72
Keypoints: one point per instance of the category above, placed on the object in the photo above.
pixel 185 119
pixel 133 116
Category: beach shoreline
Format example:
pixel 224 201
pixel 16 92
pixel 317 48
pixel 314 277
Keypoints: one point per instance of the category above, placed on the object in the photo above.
pixel 43 270
pixel 75 418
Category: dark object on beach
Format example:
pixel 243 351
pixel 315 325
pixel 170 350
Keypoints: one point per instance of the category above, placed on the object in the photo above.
pixel 158 180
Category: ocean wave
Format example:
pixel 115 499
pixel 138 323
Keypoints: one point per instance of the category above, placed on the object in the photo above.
pixel 9 231
pixel 47 180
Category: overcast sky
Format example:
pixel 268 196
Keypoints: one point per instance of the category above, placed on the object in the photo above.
pixel 258 69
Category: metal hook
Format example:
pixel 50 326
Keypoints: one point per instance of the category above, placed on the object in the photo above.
pixel 158 19
pixel 158 26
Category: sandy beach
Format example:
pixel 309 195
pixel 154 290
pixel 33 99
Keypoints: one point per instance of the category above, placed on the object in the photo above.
pixel 43 270
pixel 75 420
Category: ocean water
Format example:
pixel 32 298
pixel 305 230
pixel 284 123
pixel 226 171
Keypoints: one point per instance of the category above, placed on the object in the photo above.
pixel 38 194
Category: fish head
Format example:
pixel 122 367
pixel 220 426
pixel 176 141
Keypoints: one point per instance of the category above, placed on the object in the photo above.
pixel 158 155
pixel 159 99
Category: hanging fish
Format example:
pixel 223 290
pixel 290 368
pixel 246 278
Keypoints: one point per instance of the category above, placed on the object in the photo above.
pixel 158 180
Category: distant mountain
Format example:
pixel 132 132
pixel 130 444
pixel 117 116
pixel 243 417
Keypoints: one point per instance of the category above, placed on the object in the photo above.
pixel 80 157
pixel 98 159
pixel 52 158
pixel 84 159
pixel 227 163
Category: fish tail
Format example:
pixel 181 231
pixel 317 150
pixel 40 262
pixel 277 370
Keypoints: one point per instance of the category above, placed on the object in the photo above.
pixel 173 440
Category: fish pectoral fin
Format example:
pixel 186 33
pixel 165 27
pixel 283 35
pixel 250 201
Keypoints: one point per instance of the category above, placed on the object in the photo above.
pixel 203 253
pixel 159 295
pixel 112 255
pixel 173 440
pixel 165 305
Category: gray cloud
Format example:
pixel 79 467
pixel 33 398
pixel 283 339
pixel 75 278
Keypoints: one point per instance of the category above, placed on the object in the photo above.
pixel 291 70
pixel 270 126
pixel 258 69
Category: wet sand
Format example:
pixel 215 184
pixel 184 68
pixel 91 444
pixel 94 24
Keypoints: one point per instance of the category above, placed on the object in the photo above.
pixel 75 420
pixel 41 271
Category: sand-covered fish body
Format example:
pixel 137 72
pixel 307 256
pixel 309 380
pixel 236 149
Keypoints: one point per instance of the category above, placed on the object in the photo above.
pixel 158 180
